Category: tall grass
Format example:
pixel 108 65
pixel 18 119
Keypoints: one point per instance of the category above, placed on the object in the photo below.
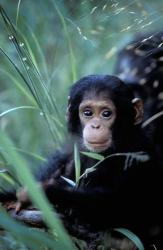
pixel 23 174
pixel 33 79
pixel 45 103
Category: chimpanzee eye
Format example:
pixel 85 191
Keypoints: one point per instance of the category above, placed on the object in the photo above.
pixel 106 113
pixel 87 112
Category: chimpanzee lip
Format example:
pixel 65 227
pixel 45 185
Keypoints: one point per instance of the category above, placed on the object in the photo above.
pixel 97 147
pixel 95 143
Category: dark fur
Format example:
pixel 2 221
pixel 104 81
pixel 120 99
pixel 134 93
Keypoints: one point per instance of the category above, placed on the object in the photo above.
pixel 145 55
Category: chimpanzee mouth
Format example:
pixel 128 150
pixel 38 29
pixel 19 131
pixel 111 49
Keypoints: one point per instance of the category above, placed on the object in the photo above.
pixel 98 146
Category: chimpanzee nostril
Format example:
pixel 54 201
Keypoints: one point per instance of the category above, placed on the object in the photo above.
pixel 95 126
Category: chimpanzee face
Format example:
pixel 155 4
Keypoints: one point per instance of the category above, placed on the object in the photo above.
pixel 97 116
pixel 101 110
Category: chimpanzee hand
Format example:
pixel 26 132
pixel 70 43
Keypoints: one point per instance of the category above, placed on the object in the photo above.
pixel 23 199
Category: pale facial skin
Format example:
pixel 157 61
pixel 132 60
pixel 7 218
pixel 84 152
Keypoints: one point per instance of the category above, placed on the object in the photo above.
pixel 97 116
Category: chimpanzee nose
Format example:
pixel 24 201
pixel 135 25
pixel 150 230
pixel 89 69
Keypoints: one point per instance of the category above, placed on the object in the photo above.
pixel 96 126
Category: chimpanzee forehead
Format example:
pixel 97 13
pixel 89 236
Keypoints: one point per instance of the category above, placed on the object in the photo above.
pixel 96 102
pixel 97 94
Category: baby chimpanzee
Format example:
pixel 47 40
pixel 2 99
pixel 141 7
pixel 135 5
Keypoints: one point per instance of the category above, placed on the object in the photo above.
pixel 124 188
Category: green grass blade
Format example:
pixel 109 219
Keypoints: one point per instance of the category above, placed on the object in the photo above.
pixel 19 72
pixel 17 12
pixel 19 86
pixel 34 239
pixel 43 60
pixel 94 155
pixel 36 156
pixel 4 175
pixel 77 163
pixel 72 57
pixel 32 56
pixel 130 235
pixel 15 109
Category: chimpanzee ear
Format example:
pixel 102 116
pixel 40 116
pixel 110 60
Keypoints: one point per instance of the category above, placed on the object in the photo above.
pixel 139 108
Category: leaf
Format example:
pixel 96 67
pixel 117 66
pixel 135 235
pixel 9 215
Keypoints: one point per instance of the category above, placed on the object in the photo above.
pixel 94 155
pixel 131 236
pixel 77 163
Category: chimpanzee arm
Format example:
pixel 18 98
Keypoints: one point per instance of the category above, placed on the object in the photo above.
pixel 6 196
pixel 138 193
pixel 54 168
pixel 86 203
